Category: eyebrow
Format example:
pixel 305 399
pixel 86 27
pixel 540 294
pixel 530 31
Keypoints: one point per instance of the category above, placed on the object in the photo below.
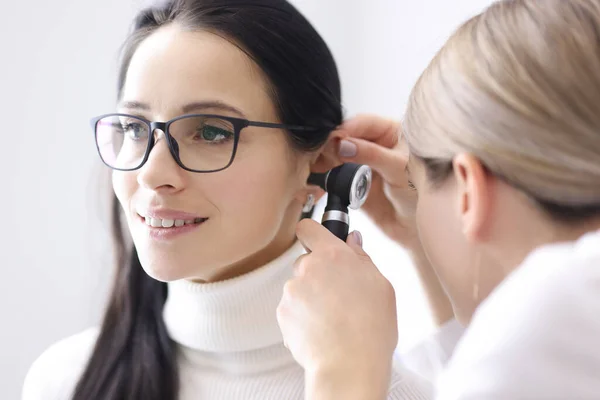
pixel 188 108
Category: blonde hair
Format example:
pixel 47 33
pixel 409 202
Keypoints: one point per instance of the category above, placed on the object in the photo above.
pixel 518 86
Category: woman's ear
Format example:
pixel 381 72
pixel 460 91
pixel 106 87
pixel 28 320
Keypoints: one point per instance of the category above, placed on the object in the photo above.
pixel 474 191
pixel 321 160
pixel 304 189
pixel 326 157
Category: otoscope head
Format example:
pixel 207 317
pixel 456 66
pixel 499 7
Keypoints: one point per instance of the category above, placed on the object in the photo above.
pixel 349 182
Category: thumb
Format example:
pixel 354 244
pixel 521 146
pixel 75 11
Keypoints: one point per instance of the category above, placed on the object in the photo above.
pixel 355 241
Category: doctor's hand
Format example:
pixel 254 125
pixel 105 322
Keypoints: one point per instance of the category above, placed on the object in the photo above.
pixel 377 142
pixel 338 316
pixel 392 203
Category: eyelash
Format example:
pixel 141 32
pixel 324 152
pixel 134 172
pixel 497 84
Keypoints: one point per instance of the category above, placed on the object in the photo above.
pixel 411 186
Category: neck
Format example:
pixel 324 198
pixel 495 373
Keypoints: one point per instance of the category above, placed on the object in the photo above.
pixel 535 232
pixel 234 315
pixel 513 240
pixel 273 250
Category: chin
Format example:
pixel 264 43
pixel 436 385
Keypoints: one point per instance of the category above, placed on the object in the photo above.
pixel 176 264
pixel 165 271
pixel 164 274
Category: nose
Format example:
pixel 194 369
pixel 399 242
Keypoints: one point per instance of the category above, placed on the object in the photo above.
pixel 161 172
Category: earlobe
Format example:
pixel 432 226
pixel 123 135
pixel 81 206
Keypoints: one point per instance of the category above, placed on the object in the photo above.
pixel 310 203
pixel 473 189
pixel 309 197
pixel 304 190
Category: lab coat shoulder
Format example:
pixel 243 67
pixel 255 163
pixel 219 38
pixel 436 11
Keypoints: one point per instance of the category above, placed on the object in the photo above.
pixel 429 357
pixel 538 334
pixel 55 373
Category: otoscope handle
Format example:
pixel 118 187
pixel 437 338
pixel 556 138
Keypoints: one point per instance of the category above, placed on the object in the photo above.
pixel 336 218
pixel 338 228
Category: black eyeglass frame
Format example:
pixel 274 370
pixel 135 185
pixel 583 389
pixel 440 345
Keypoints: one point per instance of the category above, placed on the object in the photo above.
pixel 237 123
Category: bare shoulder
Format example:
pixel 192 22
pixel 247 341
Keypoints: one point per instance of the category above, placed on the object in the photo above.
pixel 55 373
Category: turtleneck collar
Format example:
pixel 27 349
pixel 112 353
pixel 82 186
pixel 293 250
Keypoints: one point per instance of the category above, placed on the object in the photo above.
pixel 235 315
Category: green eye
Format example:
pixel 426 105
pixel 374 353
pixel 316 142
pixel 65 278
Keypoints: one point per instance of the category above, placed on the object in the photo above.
pixel 214 134
pixel 135 131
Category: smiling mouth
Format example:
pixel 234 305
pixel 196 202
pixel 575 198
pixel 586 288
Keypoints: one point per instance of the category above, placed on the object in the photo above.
pixel 171 223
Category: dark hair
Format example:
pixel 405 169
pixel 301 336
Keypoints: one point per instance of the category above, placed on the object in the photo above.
pixel 134 357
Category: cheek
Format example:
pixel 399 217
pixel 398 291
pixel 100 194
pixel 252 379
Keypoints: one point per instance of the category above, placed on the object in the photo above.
pixel 440 233
pixel 124 184
pixel 432 223
pixel 253 194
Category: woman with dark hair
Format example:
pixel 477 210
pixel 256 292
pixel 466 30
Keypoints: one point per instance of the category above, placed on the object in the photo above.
pixel 223 108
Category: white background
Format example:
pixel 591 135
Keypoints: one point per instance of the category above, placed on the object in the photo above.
pixel 58 63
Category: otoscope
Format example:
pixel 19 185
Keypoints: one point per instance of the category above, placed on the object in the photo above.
pixel 347 185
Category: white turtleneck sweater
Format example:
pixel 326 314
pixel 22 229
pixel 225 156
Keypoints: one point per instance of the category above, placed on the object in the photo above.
pixel 229 341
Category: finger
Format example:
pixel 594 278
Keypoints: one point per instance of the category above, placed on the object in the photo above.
pixel 289 294
pixel 313 235
pixel 299 265
pixel 389 163
pixel 355 242
pixel 282 313
pixel 382 131
pixel 378 206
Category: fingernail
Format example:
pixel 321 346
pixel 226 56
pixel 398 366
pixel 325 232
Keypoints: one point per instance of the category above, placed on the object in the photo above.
pixel 347 149
pixel 358 238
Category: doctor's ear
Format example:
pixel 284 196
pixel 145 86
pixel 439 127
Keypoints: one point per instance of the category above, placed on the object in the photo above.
pixel 474 194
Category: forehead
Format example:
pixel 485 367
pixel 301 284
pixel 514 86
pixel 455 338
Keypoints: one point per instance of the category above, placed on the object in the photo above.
pixel 174 67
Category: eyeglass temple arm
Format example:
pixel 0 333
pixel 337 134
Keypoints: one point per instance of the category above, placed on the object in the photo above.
pixel 288 127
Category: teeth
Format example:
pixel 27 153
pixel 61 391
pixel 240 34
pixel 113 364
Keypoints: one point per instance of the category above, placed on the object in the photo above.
pixel 169 223
pixel 154 222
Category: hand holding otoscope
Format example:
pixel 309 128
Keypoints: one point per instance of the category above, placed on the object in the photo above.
pixel 347 186
pixel 331 271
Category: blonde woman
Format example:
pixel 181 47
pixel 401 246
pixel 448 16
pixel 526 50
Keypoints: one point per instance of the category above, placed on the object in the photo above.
pixel 502 183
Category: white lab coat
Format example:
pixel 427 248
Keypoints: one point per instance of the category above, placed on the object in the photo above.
pixel 537 336
pixel 429 357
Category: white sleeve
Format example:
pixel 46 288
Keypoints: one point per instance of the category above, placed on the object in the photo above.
pixel 538 334
pixel 429 358
pixel 54 375
pixel 407 385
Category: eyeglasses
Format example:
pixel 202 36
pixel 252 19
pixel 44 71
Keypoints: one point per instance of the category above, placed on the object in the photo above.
pixel 198 142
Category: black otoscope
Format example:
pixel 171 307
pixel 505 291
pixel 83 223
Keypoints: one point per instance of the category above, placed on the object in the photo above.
pixel 347 186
